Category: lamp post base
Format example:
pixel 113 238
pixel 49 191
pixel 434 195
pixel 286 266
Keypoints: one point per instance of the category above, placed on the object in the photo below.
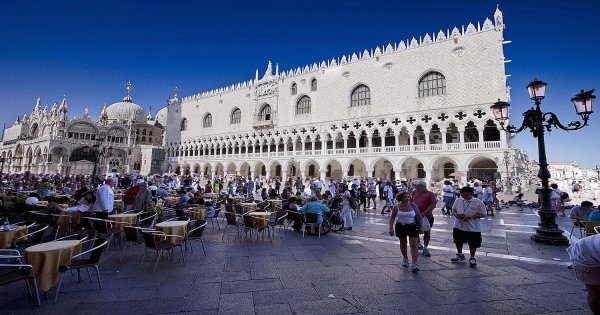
pixel 550 236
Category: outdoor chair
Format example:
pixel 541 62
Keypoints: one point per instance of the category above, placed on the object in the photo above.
pixel 232 221
pixel 597 229
pixel 251 226
pixel 590 227
pixel 10 256
pixel 312 220
pixel 215 218
pixel 95 253
pixel 277 220
pixel 106 228
pixel 133 236
pixel 36 233
pixel 80 237
pixel 28 224
pixel 10 273
pixel 148 222
pixel 580 225
pixel 62 221
pixel 88 226
pixel 158 242
pixel 195 233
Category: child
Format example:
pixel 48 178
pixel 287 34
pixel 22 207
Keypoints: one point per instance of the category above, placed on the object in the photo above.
pixel 210 210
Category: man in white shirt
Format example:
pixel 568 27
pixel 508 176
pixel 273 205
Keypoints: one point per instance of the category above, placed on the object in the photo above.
pixel 105 197
pixel 585 255
pixel 468 211
pixel 488 199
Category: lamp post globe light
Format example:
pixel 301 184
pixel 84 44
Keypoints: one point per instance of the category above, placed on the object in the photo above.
pixel 508 173
pixel 538 123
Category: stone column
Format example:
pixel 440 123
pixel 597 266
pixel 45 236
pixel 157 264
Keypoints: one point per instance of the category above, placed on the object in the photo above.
pixel 480 131
pixel 503 142
pixel 284 175
pixel 411 140
pixel 426 141
pixel 370 144
pixel 428 176
pixel 397 174
pixel 461 137
pixel 345 139
pixel 345 173
pixel 312 146
pixel 323 175
pixel 444 139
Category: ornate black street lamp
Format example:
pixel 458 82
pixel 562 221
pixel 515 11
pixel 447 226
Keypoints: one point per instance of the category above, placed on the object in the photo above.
pixel 508 174
pixel 3 160
pixel 538 122
pixel 598 173
pixel 98 151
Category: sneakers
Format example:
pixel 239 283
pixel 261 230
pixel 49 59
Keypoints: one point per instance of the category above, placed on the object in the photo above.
pixel 472 262
pixel 420 246
pixel 415 268
pixel 426 252
pixel 459 257
pixel 349 228
pixel 405 262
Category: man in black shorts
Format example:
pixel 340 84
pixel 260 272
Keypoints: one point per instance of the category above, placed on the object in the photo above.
pixel 467 226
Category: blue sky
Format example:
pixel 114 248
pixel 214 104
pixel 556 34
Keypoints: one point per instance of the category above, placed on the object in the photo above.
pixel 89 49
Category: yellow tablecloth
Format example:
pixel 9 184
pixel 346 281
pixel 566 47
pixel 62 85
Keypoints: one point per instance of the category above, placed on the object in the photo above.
pixel 118 204
pixel 248 206
pixel 261 218
pixel 236 200
pixel 275 202
pixel 171 201
pixel 47 257
pixel 42 203
pixel 197 213
pixel 129 218
pixel 6 237
pixel 173 228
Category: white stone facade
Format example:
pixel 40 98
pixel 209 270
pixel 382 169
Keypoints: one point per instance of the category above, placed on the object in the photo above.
pixel 48 142
pixel 390 128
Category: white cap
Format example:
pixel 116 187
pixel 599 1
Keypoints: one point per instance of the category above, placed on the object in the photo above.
pixel 140 181
pixel 419 183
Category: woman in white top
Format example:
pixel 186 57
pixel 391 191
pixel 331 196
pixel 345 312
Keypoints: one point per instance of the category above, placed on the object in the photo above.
pixel 407 223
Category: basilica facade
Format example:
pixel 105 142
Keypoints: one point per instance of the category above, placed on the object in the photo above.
pixel 124 139
pixel 418 108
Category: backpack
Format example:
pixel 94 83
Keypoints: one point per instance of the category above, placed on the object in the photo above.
pixel 395 190
pixel 353 203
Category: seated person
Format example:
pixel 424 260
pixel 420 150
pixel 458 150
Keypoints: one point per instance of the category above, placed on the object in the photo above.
pixel 162 192
pixel 293 212
pixel 152 206
pixel 184 198
pixel 53 206
pixel 582 213
pixel 314 206
pixel 595 215
pixel 210 210
pixel 585 255
pixel 273 194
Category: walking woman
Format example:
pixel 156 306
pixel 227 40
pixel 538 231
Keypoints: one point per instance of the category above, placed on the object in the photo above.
pixel 346 210
pixel 407 222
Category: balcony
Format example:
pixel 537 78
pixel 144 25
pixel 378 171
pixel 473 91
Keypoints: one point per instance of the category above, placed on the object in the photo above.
pixel 419 147
pixel 471 145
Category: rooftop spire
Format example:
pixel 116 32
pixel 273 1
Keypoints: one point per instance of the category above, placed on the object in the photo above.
pixel 38 105
pixel 128 87
pixel 63 104
pixel 498 17
pixel 175 94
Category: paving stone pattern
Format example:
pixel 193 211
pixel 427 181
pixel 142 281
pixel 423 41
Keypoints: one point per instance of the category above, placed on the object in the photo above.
pixel 355 271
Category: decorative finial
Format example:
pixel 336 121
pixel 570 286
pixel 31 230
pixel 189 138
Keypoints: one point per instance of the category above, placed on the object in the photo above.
pixel 128 87
pixel 498 17
pixel 175 92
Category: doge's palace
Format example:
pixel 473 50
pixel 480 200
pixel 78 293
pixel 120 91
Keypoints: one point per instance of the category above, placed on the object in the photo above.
pixel 417 108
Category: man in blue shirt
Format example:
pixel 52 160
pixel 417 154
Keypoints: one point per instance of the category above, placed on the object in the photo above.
pixel 314 206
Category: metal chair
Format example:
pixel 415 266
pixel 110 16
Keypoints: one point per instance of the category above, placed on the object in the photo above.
pixel 580 225
pixel 157 241
pixel 196 234
pixel 590 227
pixel 215 218
pixel 91 262
pixel 148 222
pixel 36 233
pixel 233 221
pixel 277 220
pixel 312 220
pixel 80 237
pixel 27 224
pixel 10 273
pixel 62 221
pixel 133 236
pixel 250 225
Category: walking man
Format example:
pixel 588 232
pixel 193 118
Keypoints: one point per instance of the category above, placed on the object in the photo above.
pixel 468 212
pixel 425 201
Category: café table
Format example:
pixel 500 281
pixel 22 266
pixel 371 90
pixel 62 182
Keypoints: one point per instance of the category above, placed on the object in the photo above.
pixel 10 233
pixel 260 218
pixel 248 206
pixel 173 228
pixel 171 201
pixel 236 200
pixel 126 218
pixel 275 203
pixel 45 259
pixel 197 213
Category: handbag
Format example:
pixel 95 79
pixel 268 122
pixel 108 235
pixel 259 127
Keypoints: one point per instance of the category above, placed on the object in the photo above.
pixel 425 226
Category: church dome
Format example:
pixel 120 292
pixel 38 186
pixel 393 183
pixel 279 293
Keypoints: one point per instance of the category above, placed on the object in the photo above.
pixel 161 116
pixel 125 111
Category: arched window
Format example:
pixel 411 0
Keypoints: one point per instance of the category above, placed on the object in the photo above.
pixel 265 113
pixel 236 116
pixel 143 132
pixel 313 85
pixel 432 83
pixel 361 95
pixel 184 124
pixel 207 121
pixel 303 105
pixel 294 89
